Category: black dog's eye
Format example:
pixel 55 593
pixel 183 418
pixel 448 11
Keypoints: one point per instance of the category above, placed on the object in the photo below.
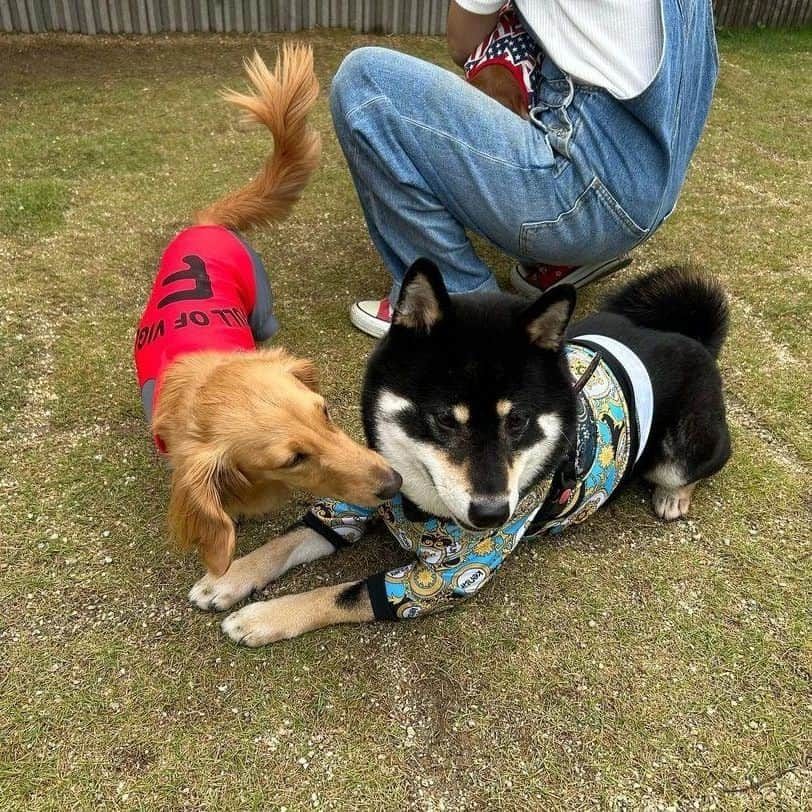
pixel 445 420
pixel 295 460
pixel 517 423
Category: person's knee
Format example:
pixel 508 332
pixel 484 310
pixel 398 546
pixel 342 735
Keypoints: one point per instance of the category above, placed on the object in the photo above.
pixel 355 78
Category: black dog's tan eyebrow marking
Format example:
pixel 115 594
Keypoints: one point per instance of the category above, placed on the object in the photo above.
pixel 461 413
pixel 503 407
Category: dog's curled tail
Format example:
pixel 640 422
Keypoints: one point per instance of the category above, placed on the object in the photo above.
pixel 281 102
pixel 677 300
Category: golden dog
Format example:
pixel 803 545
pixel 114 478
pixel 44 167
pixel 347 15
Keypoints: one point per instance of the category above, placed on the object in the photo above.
pixel 241 429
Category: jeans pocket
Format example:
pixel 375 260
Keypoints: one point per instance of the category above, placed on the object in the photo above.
pixel 595 229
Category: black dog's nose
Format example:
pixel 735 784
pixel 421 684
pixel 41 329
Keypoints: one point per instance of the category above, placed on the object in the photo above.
pixel 488 513
pixel 391 485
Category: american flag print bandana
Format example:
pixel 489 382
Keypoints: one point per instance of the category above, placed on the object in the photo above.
pixel 511 46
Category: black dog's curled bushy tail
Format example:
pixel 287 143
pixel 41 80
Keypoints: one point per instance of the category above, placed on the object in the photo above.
pixel 677 300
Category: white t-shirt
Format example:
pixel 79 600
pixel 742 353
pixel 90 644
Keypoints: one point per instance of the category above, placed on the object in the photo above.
pixel 613 44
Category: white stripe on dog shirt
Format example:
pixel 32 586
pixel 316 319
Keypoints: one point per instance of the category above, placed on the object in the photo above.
pixel 640 382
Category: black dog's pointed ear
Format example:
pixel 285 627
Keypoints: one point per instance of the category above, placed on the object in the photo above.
pixel 545 321
pixel 423 302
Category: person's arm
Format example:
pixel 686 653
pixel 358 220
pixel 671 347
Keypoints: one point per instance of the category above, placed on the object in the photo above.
pixel 469 22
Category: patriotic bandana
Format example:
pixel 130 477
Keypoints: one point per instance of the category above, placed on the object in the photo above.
pixel 511 46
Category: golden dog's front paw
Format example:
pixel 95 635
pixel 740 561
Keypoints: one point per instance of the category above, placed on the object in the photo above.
pixel 215 594
pixel 268 621
pixel 257 569
pixel 261 623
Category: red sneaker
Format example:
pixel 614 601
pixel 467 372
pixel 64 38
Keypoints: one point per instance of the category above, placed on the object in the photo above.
pixel 532 280
pixel 372 316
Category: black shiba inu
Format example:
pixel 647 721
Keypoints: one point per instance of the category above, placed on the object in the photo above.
pixel 463 362
pixel 474 400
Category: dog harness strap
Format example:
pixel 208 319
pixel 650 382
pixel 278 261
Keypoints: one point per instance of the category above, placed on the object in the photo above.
pixel 593 364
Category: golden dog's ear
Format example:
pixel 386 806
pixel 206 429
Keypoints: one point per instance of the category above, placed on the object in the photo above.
pixel 303 370
pixel 196 514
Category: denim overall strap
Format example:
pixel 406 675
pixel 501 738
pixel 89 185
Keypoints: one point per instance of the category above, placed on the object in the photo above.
pixel 550 114
pixel 675 106
pixel 652 137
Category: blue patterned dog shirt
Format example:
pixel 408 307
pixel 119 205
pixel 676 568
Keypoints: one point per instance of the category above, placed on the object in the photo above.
pixel 452 563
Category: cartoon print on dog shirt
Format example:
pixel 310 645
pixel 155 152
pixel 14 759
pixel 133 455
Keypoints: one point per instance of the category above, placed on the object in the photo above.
pixel 454 563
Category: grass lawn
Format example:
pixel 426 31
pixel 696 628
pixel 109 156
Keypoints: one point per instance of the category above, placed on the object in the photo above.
pixel 629 664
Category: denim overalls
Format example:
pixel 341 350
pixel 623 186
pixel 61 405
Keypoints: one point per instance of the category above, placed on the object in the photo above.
pixel 434 159
pixel 646 168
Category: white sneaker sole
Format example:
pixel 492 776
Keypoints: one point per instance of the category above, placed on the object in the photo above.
pixel 578 278
pixel 371 325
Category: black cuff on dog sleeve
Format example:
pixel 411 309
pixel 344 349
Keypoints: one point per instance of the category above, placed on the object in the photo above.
pixel 381 608
pixel 315 523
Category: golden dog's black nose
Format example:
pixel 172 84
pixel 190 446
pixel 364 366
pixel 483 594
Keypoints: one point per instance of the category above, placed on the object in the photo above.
pixel 392 482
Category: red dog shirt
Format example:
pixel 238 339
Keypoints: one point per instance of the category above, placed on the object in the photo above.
pixel 211 292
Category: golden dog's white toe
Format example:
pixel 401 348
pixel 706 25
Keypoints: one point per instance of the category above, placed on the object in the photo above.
pixel 259 624
pixel 216 594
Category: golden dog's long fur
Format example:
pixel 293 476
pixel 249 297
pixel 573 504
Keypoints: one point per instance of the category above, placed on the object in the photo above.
pixel 281 103
pixel 243 429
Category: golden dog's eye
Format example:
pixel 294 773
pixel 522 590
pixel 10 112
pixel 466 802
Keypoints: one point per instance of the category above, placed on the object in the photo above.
pixel 326 413
pixel 295 460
